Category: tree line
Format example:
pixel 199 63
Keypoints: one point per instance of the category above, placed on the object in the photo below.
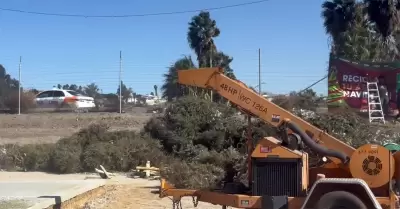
pixel 8 89
pixel 9 93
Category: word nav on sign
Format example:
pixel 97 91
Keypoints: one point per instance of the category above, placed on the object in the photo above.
pixel 243 98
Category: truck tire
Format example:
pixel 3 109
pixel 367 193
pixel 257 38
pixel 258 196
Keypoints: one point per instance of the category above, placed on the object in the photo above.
pixel 339 200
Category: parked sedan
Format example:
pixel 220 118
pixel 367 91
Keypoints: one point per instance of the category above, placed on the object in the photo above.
pixel 60 98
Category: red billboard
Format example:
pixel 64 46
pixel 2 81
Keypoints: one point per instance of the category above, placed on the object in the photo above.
pixel 347 82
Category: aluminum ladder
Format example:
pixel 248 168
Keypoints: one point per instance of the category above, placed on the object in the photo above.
pixel 374 99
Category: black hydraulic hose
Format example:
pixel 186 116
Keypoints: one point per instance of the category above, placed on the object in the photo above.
pixel 316 147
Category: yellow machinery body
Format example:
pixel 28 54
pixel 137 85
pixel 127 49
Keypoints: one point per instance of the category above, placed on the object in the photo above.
pixel 366 173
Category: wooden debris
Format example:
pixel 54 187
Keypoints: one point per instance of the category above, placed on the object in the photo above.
pixel 104 174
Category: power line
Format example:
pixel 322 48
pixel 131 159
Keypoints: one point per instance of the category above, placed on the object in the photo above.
pixel 313 84
pixel 267 75
pixel 132 15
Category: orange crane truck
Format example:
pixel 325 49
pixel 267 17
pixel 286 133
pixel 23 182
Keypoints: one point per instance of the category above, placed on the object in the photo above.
pixel 279 174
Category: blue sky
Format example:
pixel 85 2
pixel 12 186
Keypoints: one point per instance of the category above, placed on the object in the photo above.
pixel 294 49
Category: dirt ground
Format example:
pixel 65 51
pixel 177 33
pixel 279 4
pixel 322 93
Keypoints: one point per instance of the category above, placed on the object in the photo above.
pixel 122 196
pixel 127 193
pixel 121 192
pixel 50 127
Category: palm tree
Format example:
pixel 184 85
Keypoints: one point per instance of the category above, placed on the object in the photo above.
pixel 91 90
pixel 201 34
pixel 338 17
pixel 223 61
pixel 346 20
pixel 156 90
pixel 384 14
pixel 360 42
pixel 171 89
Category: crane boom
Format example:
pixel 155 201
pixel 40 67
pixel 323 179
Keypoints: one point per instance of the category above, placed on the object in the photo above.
pixel 239 94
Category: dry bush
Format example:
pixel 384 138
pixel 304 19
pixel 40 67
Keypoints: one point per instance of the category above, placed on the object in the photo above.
pixel 10 157
pixel 65 157
pixel 27 101
pixel 85 150
pixel 122 151
pixel 115 150
pixel 31 157
pixel 155 109
pixel 36 157
pixel 355 130
pixel 286 102
pixel 295 101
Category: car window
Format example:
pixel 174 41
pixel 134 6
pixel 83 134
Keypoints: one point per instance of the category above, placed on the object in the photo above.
pixel 45 94
pixel 74 93
pixel 58 94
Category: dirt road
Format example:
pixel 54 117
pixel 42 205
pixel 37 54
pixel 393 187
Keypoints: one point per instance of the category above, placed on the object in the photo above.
pixel 50 127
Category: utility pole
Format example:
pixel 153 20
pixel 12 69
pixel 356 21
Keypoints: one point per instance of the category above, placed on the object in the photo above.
pixel 120 82
pixel 259 71
pixel 19 85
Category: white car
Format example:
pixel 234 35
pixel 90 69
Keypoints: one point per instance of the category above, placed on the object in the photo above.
pixel 60 98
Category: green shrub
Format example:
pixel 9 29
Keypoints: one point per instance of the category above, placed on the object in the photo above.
pixel 84 151
pixel 193 175
pixel 196 143
pixel 31 157
pixel 65 157
pixel 205 137
pixel 123 151
pixel 36 157
pixel 100 153
pixel 194 123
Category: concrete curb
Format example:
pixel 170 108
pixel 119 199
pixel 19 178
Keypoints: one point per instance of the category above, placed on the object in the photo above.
pixel 78 187
pixel 82 187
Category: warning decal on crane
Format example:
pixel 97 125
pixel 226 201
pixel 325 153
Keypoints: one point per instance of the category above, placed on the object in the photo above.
pixel 265 149
pixel 276 118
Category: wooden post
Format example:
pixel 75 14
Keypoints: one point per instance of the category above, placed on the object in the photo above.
pixel 147 171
